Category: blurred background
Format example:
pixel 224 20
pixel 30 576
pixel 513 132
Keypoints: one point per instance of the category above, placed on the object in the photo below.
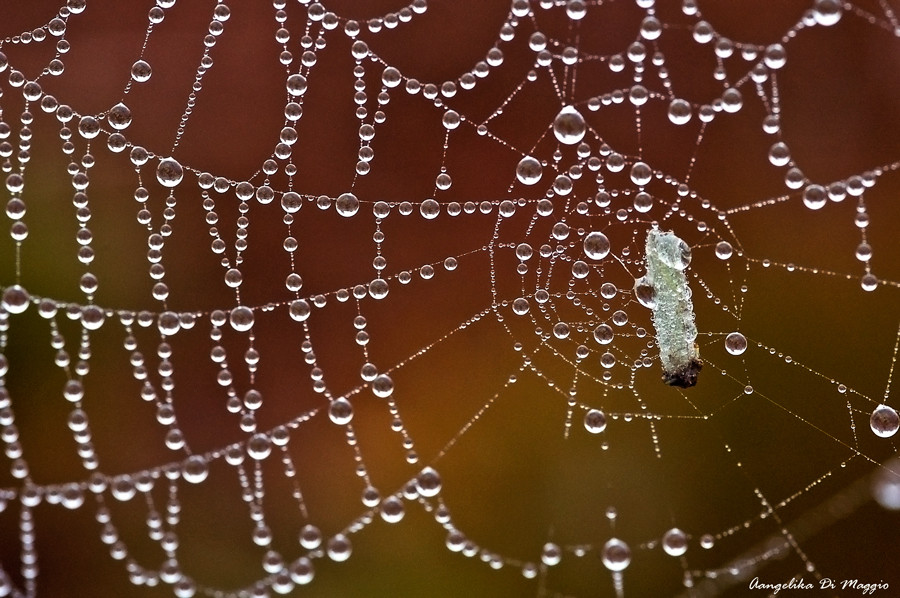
pixel 483 394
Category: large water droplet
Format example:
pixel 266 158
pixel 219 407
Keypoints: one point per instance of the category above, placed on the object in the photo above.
pixel 596 245
pixel 339 548
pixel 616 555
pixel 529 171
pixel 594 421
pixel 347 205
pixel 568 126
pixel 428 482
pixel 241 318
pixel 674 542
pixel 382 386
pixel 15 299
pixel 828 12
pixel 884 421
pixel 119 116
pixel 169 172
pixel 195 469
pixel 736 343
pixel 645 293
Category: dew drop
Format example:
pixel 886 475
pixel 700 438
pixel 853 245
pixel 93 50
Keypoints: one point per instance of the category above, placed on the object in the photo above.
pixel 641 173
pixel 815 197
pixel 241 318
pixel 884 421
pixel 340 411
pixel 616 555
pixel 15 299
pixel 529 171
pixel 551 554
pixel 119 116
pixel 169 172
pixel 594 421
pixel 382 386
pixel 347 205
pixel 596 245
pixel 679 112
pixel 645 293
pixel 828 12
pixel 603 334
pixel 724 250
pixel 568 126
pixel 141 71
pixel 674 542
pixel 195 469
pixel 339 548
pixel 428 482
pixel 736 343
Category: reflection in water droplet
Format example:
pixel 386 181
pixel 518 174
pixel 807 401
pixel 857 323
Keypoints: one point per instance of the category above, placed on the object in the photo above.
pixel 884 421
pixel 529 171
pixel 568 126
pixel 596 245
pixel 169 172
pixel 616 555
pixel 735 343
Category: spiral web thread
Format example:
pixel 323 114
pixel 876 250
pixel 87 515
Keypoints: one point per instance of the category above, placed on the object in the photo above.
pixel 421 332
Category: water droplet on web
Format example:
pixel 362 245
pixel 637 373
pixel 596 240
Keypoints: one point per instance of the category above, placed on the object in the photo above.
pixel 594 421
pixel 382 386
pixel 299 310
pixel 869 282
pixel 828 12
pixel 645 293
pixel 339 548
pixel 641 173
pixel 195 469
pixel 884 421
pixel 596 245
pixel 168 323
pixel 119 116
pixel 679 112
pixel 296 85
pixel 378 288
pixel 520 306
pixel 735 343
pixel 815 197
pixel 551 554
pixel 732 100
pixel 603 334
pixel 92 317
pixel 643 202
pixel 428 482
pixel 392 509
pixel 259 447
pixel 15 299
pixel 569 126
pixel 674 542
pixel 340 411
pixel 724 250
pixel 169 172
pixel 88 127
pixel 347 205
pixel 529 171
pixel 616 555
pixel 241 318
pixel 141 71
pixel 430 209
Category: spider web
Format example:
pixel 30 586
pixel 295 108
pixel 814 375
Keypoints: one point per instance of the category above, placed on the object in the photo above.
pixel 340 297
